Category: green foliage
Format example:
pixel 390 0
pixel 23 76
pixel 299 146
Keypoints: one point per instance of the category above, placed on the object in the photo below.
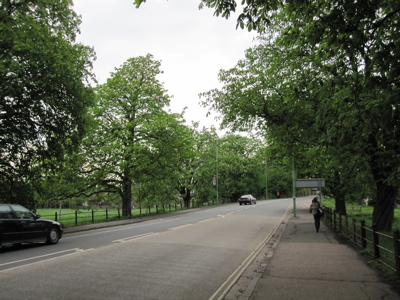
pixel 359 213
pixel 239 165
pixel 134 140
pixel 360 109
pixel 204 167
pixel 322 82
pixel 43 89
pixel 364 213
pixel 255 14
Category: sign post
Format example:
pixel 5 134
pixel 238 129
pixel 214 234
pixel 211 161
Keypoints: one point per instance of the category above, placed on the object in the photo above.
pixel 311 183
pixel 294 191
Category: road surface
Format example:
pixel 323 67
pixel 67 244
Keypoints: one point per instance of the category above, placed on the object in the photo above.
pixel 197 255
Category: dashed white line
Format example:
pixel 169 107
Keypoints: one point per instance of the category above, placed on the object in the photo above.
pixel 205 220
pixel 136 237
pixel 76 251
pixel 40 256
pixel 179 227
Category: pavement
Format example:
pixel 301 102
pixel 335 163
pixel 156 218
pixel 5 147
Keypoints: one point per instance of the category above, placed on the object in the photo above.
pixel 299 263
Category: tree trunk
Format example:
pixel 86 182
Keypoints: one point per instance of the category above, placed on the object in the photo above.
pixel 187 197
pixel 127 198
pixel 384 206
pixel 382 169
pixel 339 194
pixel 340 204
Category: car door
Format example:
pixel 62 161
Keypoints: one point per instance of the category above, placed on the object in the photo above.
pixel 30 229
pixel 9 227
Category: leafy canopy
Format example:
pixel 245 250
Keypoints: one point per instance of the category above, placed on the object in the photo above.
pixel 44 90
pixel 134 139
pixel 336 86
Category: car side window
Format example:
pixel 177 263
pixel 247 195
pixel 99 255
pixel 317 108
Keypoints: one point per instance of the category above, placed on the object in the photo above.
pixel 23 213
pixel 5 212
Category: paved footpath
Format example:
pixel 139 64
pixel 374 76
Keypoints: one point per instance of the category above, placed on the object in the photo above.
pixel 299 263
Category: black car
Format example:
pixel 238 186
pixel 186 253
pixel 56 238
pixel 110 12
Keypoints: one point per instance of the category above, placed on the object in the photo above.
pixel 19 225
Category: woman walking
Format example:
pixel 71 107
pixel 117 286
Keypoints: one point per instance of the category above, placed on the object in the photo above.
pixel 314 207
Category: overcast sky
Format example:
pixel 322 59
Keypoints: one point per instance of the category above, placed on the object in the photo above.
pixel 192 45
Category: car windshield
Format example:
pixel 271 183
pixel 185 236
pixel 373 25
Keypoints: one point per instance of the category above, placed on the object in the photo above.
pixel 246 196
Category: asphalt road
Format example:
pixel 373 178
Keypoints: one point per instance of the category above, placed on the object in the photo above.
pixel 196 255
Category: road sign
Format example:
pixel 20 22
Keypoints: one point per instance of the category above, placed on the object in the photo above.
pixel 310 183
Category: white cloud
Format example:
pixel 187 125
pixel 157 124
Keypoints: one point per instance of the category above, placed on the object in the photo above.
pixel 192 44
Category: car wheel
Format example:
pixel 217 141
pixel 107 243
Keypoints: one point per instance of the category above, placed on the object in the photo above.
pixel 53 236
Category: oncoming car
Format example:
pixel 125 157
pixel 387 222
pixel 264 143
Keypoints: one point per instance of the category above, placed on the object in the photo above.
pixel 244 199
pixel 19 225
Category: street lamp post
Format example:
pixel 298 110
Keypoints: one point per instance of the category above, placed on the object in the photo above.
pixel 294 188
pixel 217 169
pixel 266 180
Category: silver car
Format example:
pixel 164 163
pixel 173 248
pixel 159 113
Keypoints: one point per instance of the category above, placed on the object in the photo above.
pixel 244 199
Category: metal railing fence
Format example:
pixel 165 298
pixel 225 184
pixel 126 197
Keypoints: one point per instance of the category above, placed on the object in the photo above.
pixel 87 216
pixel 383 247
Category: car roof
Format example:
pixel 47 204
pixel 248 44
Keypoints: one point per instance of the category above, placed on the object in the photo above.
pixel 9 204
pixel 13 206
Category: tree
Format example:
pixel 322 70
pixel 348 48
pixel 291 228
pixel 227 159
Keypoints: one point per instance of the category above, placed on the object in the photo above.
pixel 44 89
pixel 255 14
pixel 238 166
pixel 342 76
pixel 355 43
pixel 264 91
pixel 204 166
pixel 134 138
pixel 191 167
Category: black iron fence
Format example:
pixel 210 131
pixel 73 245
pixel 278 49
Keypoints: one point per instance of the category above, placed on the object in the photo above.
pixel 385 248
pixel 87 216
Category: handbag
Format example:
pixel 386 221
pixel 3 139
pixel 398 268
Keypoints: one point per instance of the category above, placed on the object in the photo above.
pixel 321 212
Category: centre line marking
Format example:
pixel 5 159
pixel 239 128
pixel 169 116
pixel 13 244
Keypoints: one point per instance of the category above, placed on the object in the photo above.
pixel 179 227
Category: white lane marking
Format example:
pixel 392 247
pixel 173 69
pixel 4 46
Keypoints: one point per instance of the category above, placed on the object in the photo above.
pixel 46 260
pixel 205 220
pixel 135 237
pixel 40 256
pixel 116 228
pixel 179 227
pixel 227 285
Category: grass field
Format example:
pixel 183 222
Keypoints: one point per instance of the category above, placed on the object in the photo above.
pixel 74 217
pixel 363 213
